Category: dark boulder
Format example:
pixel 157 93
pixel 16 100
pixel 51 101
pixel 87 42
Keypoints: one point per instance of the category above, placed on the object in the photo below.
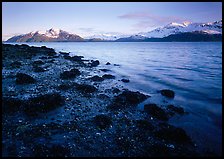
pixel 63 53
pixel 173 134
pixel 38 62
pixel 96 79
pixel 168 93
pixel 102 121
pixel 116 90
pixel 64 87
pixel 16 64
pixel 85 88
pixel 127 99
pixel 104 70
pixel 108 76
pixel 70 74
pixel 94 63
pixel 108 63
pixel 175 109
pixel 156 111
pixel 22 78
pixel 43 103
pixel 125 80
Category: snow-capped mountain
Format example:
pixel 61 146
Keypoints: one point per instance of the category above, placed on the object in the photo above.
pixel 46 36
pixel 174 28
pixel 109 37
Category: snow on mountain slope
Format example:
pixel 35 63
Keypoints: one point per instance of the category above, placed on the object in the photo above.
pixel 106 36
pixel 174 28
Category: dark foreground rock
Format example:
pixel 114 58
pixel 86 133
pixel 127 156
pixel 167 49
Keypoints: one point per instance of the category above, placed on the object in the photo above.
pixel 102 121
pixel 96 78
pixel 127 99
pixel 43 103
pixel 16 64
pixel 168 93
pixel 156 112
pixel 108 76
pixel 38 69
pixel 11 105
pixel 22 78
pixel 173 134
pixel 70 74
pixel 125 80
pixel 85 88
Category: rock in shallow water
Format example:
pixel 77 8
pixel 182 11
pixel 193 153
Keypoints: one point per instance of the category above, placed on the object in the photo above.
pixel 96 79
pixel 126 99
pixel 175 109
pixel 108 76
pixel 168 93
pixel 125 80
pixel 85 88
pixel 156 111
pixel 22 78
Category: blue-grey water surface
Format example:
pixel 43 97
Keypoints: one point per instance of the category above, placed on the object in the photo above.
pixel 192 69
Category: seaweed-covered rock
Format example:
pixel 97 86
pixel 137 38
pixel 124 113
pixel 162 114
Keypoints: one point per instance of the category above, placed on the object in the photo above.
pixel 11 105
pixel 22 78
pixel 102 121
pixel 108 76
pixel 43 103
pixel 85 88
pixel 70 74
pixel 96 78
pixel 156 111
pixel 175 109
pixel 125 80
pixel 173 134
pixel 168 93
pixel 127 99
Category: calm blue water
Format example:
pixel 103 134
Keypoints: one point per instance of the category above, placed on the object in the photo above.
pixel 192 69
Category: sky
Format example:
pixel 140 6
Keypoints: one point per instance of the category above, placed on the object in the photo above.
pixel 89 18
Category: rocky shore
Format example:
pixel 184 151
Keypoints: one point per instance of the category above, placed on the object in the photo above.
pixel 58 105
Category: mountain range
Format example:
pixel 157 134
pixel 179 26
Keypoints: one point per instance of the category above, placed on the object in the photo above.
pixel 186 31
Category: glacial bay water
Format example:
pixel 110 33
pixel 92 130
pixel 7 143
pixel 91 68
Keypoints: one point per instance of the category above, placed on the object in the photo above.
pixel 192 69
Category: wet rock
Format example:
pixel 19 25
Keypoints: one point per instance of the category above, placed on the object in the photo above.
pixel 103 96
pixel 70 74
pixel 168 93
pixel 22 78
pixel 127 99
pixel 10 105
pixel 108 76
pixel 156 111
pixel 175 109
pixel 16 64
pixel 94 63
pixel 85 88
pixel 144 125
pixel 173 134
pixel 38 69
pixel 38 62
pixel 102 121
pixel 108 63
pixel 43 103
pixel 125 80
pixel 104 70
pixel 96 78
pixel 64 87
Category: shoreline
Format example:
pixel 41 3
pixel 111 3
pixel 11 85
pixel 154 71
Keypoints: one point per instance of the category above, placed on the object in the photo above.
pixel 63 104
